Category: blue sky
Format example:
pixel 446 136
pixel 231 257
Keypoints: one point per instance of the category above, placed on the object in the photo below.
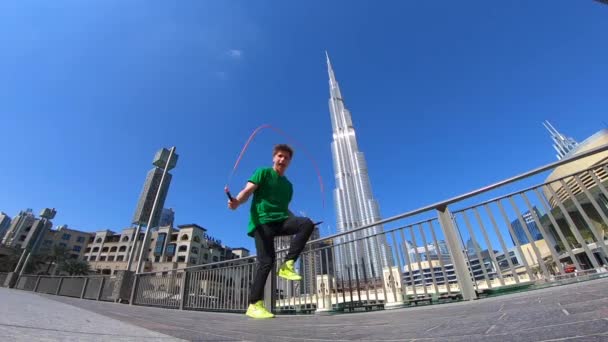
pixel 446 97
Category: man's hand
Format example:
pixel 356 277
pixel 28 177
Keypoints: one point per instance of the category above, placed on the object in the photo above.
pixel 233 204
pixel 243 196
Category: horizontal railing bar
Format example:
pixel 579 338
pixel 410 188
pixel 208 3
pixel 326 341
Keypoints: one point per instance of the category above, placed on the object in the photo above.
pixel 591 168
pixel 203 265
pixel 55 276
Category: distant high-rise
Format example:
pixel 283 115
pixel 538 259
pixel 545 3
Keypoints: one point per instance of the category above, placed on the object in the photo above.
pixel 19 228
pixel 561 143
pixel 146 199
pixel 5 222
pixel 354 202
pixel 519 232
pixel 167 217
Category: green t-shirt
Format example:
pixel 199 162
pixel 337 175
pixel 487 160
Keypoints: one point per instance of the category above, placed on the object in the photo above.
pixel 271 199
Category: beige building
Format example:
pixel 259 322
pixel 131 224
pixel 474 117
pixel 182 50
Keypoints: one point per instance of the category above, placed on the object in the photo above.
pixel 75 241
pixel 571 193
pixel 169 248
pixel 561 193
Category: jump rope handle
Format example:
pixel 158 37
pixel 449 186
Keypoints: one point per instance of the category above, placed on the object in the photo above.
pixel 228 194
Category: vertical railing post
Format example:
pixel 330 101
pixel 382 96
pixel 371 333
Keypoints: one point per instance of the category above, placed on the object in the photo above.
pixel 184 290
pixel 134 288
pixel 84 287
pixel 101 288
pixel 59 286
pixel 37 283
pixel 461 269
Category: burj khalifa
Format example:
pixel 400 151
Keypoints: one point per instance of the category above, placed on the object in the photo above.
pixel 353 199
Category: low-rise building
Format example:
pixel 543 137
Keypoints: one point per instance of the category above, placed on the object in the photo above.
pixel 74 241
pixel 169 248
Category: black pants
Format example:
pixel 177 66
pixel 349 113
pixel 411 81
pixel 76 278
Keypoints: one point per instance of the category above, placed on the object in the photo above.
pixel 264 235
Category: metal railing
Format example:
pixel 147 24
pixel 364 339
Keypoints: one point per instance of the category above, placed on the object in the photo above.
pixel 220 286
pixel 521 232
pixel 95 287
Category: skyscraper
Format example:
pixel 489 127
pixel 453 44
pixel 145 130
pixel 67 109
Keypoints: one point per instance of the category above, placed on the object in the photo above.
pixel 146 199
pixel 561 143
pixel 18 231
pixel 5 222
pixel 531 226
pixel 167 217
pixel 353 199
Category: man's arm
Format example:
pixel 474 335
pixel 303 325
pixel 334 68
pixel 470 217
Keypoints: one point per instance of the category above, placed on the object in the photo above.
pixel 244 195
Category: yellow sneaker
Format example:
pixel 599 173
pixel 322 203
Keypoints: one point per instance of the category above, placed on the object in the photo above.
pixel 258 310
pixel 287 271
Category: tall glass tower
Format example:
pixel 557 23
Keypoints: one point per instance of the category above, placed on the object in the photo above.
pixel 561 143
pixel 353 199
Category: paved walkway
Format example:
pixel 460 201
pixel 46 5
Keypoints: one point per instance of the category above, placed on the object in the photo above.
pixel 27 316
pixel 577 312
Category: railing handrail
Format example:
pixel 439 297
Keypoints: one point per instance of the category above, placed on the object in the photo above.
pixel 68 276
pixel 202 265
pixel 575 173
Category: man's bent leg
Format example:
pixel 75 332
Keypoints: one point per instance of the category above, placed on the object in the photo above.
pixel 302 228
pixel 264 244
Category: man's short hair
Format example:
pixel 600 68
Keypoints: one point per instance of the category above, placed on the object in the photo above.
pixel 282 148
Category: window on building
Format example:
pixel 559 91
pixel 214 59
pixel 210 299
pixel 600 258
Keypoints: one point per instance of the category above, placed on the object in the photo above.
pixel 87 250
pixel 120 258
pixel 196 239
pixel 80 239
pixel 125 239
pixel 193 260
pixel 111 258
pixel 122 249
pixel 160 244
pixel 113 249
pixel 93 257
pixel 185 237
pixel 181 258
pixel 183 248
pixel 170 250
pixel 105 249
pixel 22 238
pixel 66 237
pixel 76 248
pixel 95 249
pixel 215 258
pixel 102 258
pixel 194 250
pixel 98 240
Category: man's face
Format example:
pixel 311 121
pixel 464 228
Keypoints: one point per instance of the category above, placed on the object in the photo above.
pixel 281 161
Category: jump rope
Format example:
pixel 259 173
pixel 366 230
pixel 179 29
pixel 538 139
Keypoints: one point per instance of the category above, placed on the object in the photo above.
pixel 293 142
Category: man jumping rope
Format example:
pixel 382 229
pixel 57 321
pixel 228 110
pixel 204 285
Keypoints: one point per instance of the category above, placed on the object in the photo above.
pixel 270 217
